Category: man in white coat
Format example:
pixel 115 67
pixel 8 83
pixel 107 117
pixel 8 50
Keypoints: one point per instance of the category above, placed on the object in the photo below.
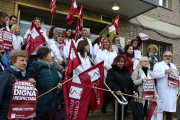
pixel 84 34
pixel 166 93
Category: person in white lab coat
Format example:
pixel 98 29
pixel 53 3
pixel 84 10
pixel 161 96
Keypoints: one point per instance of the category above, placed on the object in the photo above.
pixel 82 49
pixel 52 35
pixel 38 22
pixel 67 42
pixel 107 54
pixel 84 34
pixel 17 39
pixel 166 93
pixel 97 45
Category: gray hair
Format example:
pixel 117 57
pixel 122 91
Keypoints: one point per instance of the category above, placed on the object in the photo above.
pixel 166 52
pixel 139 66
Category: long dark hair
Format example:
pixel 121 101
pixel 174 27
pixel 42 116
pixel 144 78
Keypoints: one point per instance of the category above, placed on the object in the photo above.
pixel 80 47
pixel 117 59
pixel 51 32
pixel 71 33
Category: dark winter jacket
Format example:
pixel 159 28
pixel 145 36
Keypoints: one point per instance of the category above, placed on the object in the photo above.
pixel 46 79
pixel 129 63
pixel 120 79
pixel 6 84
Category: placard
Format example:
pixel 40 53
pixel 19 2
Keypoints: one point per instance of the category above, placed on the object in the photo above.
pixel 115 48
pixel 23 100
pixel 1 42
pixel 7 40
pixel 137 56
pixel 148 89
pixel 173 78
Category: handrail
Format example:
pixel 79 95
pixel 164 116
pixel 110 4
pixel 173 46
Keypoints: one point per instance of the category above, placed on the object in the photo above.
pixel 119 101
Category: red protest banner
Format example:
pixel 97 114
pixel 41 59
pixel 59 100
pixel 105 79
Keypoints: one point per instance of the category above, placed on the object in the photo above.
pixel 173 78
pixel 23 100
pixel 115 48
pixel 94 76
pixel 7 40
pixel 148 89
pixel 77 97
pixel 1 42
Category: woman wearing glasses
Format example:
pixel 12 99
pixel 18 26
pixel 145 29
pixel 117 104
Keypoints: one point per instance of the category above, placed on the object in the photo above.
pixel 140 74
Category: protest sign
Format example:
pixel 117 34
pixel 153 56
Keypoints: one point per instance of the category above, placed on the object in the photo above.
pixel 148 89
pixel 23 100
pixel 173 78
pixel 115 48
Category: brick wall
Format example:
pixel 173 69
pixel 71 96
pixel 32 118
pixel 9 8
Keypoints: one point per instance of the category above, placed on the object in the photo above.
pixel 171 15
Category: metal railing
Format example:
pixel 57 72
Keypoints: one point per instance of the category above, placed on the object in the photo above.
pixel 117 100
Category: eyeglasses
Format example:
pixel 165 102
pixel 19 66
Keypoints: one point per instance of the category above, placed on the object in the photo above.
pixel 145 61
pixel 167 55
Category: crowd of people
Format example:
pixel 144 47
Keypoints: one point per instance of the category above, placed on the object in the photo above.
pixel 45 67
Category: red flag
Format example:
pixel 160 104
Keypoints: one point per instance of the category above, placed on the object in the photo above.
pixel 100 42
pixel 73 11
pixel 81 16
pixel 94 76
pixel 77 30
pixel 23 100
pixel 53 7
pixel 143 36
pixel 73 61
pixel 151 110
pixel 64 32
pixel 77 97
pixel 115 22
pixel 35 39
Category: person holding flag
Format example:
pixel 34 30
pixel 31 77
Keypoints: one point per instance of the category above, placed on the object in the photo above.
pixel 119 80
pixel 67 42
pixel 82 49
pixel 38 22
pixel 46 77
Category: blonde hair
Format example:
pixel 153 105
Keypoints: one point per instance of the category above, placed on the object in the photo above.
pixel 110 45
pixel 139 66
pixel 14 27
pixel 154 46
pixel 16 53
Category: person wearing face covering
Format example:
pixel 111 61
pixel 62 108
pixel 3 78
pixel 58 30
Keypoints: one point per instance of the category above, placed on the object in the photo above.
pixel 167 94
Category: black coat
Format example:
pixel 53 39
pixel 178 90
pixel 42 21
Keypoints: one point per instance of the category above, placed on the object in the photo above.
pixel 6 84
pixel 120 79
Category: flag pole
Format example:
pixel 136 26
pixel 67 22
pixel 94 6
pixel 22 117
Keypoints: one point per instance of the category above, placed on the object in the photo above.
pixel 104 29
pixel 51 20
pixel 53 53
pixel 176 100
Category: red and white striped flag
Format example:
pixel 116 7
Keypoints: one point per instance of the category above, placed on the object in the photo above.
pixel 115 22
pixel 73 11
pixel 53 7
pixel 81 17
pixel 143 36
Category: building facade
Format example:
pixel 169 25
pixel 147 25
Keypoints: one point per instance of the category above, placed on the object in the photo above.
pixel 161 23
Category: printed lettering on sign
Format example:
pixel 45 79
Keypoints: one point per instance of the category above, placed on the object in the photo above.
pixel 72 56
pixel 75 92
pixel 34 33
pixel 95 74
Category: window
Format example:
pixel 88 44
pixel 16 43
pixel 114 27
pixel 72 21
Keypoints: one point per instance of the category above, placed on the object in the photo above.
pixel 163 3
pixel 162 47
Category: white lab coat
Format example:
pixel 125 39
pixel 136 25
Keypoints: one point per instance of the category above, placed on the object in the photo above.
pixel 17 42
pixel 56 50
pixel 43 33
pixel 90 45
pixel 96 48
pixel 67 47
pixel 51 41
pixel 107 56
pixel 167 94
pixel 86 65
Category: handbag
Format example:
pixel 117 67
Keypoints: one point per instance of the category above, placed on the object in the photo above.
pixel 57 111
